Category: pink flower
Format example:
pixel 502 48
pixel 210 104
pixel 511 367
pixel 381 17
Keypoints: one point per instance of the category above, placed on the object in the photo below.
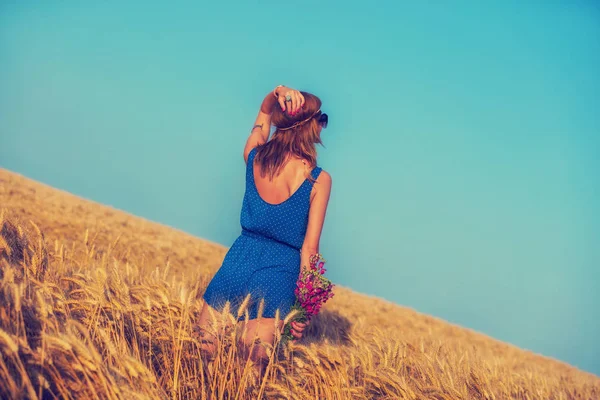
pixel 312 291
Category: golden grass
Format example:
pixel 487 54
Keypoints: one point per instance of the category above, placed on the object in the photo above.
pixel 96 303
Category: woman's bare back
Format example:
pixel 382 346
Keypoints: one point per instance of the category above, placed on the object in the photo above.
pixel 283 186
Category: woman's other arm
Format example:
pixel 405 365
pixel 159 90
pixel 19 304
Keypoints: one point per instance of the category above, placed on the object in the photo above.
pixel 316 218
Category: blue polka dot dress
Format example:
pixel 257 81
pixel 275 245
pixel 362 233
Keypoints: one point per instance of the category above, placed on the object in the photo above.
pixel 264 260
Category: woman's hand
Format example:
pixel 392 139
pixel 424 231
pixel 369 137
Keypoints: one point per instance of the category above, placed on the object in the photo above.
pixel 295 103
pixel 297 328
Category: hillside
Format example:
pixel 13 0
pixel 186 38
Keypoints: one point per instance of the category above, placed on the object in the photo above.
pixel 358 347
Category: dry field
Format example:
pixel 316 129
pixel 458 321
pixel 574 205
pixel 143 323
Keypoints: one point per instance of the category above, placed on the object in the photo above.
pixel 97 303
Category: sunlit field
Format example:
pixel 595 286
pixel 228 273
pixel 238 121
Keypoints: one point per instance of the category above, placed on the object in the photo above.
pixel 96 303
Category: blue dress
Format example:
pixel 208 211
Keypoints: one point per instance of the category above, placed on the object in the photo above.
pixel 264 260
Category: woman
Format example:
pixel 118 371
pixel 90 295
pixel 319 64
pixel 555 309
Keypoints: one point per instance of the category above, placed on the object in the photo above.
pixel 282 217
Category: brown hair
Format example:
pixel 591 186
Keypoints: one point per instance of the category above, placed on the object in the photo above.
pixel 289 140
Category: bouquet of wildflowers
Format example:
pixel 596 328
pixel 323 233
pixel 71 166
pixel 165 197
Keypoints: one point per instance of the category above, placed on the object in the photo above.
pixel 312 290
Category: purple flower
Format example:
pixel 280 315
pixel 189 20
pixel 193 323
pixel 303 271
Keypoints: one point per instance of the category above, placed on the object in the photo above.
pixel 312 291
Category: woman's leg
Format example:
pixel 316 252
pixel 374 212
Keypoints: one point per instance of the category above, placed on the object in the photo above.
pixel 263 331
pixel 207 338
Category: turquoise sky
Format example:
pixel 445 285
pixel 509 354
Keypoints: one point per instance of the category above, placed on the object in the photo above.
pixel 464 140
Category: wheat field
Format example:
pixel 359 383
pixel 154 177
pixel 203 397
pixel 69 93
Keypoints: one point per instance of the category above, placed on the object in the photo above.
pixel 96 303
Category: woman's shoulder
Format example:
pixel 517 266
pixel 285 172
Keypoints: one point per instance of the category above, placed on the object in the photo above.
pixel 321 186
pixel 324 178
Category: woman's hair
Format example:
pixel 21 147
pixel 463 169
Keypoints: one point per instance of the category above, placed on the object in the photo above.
pixel 289 140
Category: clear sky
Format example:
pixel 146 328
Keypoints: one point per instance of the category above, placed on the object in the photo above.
pixel 464 140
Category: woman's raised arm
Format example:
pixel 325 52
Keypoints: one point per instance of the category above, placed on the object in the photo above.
pixel 262 125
